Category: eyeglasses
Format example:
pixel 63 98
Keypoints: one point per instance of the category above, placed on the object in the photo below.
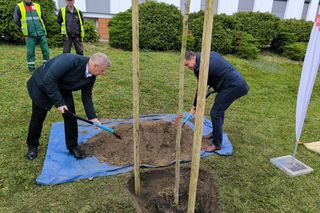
pixel 69 0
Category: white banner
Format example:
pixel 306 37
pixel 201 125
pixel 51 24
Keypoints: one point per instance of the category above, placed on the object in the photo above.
pixel 308 77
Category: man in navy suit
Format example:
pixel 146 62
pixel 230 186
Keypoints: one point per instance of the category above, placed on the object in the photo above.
pixel 52 84
pixel 229 85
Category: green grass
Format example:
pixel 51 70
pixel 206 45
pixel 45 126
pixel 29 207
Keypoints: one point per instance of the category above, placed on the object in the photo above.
pixel 261 126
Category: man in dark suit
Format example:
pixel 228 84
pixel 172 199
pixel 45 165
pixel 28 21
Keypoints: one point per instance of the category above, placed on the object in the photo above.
pixel 52 85
pixel 229 85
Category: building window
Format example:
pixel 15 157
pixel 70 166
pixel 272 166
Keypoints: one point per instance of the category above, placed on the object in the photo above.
pixel 182 8
pixel 98 6
pixel 143 1
pixel 245 5
pixel 61 3
pixel 305 9
pixel 279 8
pixel 203 5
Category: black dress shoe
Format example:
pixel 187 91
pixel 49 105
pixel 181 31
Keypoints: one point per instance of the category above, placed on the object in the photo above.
pixel 77 152
pixel 32 153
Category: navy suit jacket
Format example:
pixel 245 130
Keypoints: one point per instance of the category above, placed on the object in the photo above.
pixel 61 76
pixel 221 74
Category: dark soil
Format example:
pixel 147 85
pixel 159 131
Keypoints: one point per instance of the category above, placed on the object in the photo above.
pixel 157 144
pixel 157 192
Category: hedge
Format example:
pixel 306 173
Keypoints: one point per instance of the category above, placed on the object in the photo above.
pixel 160 27
pixel 291 31
pixel 245 45
pixel 295 51
pixel 262 26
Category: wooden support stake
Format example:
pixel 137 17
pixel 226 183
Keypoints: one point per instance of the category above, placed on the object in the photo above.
pixel 197 138
pixel 181 92
pixel 136 92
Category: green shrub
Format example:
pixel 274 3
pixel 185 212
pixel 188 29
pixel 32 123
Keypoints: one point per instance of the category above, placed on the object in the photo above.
pixel 190 40
pixel 54 35
pixel 195 27
pixel 8 29
pixel 160 26
pixel 300 28
pixel 90 32
pixel 295 51
pixel 282 39
pixel 227 22
pixel 120 30
pixel 196 15
pixel 221 39
pixel 245 45
pixel 262 26
pixel 247 51
pixel 291 31
pixel 221 36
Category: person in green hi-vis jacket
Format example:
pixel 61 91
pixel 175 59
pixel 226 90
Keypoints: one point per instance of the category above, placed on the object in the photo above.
pixel 30 18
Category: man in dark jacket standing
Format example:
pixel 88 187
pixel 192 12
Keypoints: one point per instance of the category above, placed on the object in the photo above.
pixel 31 19
pixel 229 85
pixel 53 84
pixel 71 22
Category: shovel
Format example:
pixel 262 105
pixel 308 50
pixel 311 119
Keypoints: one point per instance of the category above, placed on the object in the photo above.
pixel 190 116
pixel 108 129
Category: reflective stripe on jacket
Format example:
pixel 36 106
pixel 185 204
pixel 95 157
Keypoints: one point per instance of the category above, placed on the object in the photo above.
pixel 64 25
pixel 23 20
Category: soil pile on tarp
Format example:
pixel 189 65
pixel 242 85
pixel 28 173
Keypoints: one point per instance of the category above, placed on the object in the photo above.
pixel 157 192
pixel 157 144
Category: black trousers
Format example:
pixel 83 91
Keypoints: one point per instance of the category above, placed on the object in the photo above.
pixel 38 116
pixel 76 40
pixel 222 102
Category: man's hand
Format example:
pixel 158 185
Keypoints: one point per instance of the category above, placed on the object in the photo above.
pixel 62 109
pixel 193 110
pixel 96 120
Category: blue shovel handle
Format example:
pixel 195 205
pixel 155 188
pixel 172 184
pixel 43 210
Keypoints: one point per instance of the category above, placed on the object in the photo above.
pixel 187 119
pixel 108 129
pixel 96 124
pixel 104 128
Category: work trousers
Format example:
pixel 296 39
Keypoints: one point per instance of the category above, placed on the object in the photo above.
pixel 222 102
pixel 76 40
pixel 70 124
pixel 31 49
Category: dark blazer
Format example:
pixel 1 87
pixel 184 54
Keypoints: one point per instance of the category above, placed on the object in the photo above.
pixel 61 76
pixel 221 74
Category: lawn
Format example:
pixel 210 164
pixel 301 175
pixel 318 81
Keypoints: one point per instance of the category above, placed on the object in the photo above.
pixel 260 125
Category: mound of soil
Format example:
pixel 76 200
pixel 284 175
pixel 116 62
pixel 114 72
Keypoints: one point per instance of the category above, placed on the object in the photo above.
pixel 157 192
pixel 157 144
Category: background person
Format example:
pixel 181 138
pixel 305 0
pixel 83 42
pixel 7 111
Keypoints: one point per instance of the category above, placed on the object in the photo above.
pixel 31 19
pixel 71 22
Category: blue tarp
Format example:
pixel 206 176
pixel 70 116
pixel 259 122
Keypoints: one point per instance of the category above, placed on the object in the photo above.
pixel 61 167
